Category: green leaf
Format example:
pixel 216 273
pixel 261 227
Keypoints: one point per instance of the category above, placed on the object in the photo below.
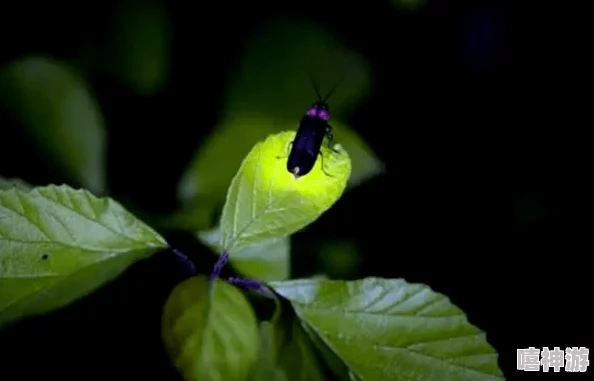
pixel 340 259
pixel 206 180
pixel 365 164
pixel 265 368
pixel 55 107
pixel 265 201
pixel 387 329
pixel 14 183
pixel 332 361
pixel 298 359
pixel 266 261
pixel 210 331
pixel 58 244
pixel 295 360
pixel 137 49
pixel 278 59
pixel 286 351
pixel 278 67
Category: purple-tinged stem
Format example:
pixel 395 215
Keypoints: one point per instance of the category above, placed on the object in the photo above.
pixel 249 284
pixel 185 261
pixel 253 285
pixel 218 267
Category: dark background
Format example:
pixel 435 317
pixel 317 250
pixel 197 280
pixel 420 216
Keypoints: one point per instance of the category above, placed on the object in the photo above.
pixel 470 114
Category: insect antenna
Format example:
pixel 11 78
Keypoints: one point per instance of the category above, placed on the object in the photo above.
pixel 317 90
pixel 325 99
pixel 314 85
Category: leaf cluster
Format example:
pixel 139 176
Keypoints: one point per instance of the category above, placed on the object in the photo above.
pixel 57 244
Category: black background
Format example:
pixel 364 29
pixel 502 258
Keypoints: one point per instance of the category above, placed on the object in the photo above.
pixel 471 114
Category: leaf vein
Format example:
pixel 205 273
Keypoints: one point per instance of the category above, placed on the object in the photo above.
pixel 40 291
pixel 68 246
pixel 327 335
pixel 96 222
pixel 23 214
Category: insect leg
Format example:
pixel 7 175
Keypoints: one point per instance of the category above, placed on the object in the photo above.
pixel 330 137
pixel 322 163
pixel 288 149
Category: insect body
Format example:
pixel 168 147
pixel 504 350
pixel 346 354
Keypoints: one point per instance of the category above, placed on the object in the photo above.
pixel 307 145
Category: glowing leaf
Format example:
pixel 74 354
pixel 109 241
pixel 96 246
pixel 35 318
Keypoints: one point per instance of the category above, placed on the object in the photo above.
pixel 14 183
pixel 210 331
pixel 58 244
pixel 266 261
pixel 265 201
pixel 387 329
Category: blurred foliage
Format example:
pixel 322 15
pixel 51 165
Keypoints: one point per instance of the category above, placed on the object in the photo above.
pixel 295 360
pixel 281 60
pixel 409 5
pixel 53 103
pixel 137 47
pixel 265 368
pixel 340 259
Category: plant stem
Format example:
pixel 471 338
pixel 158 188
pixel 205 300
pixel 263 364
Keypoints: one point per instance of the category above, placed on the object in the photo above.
pixel 218 267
